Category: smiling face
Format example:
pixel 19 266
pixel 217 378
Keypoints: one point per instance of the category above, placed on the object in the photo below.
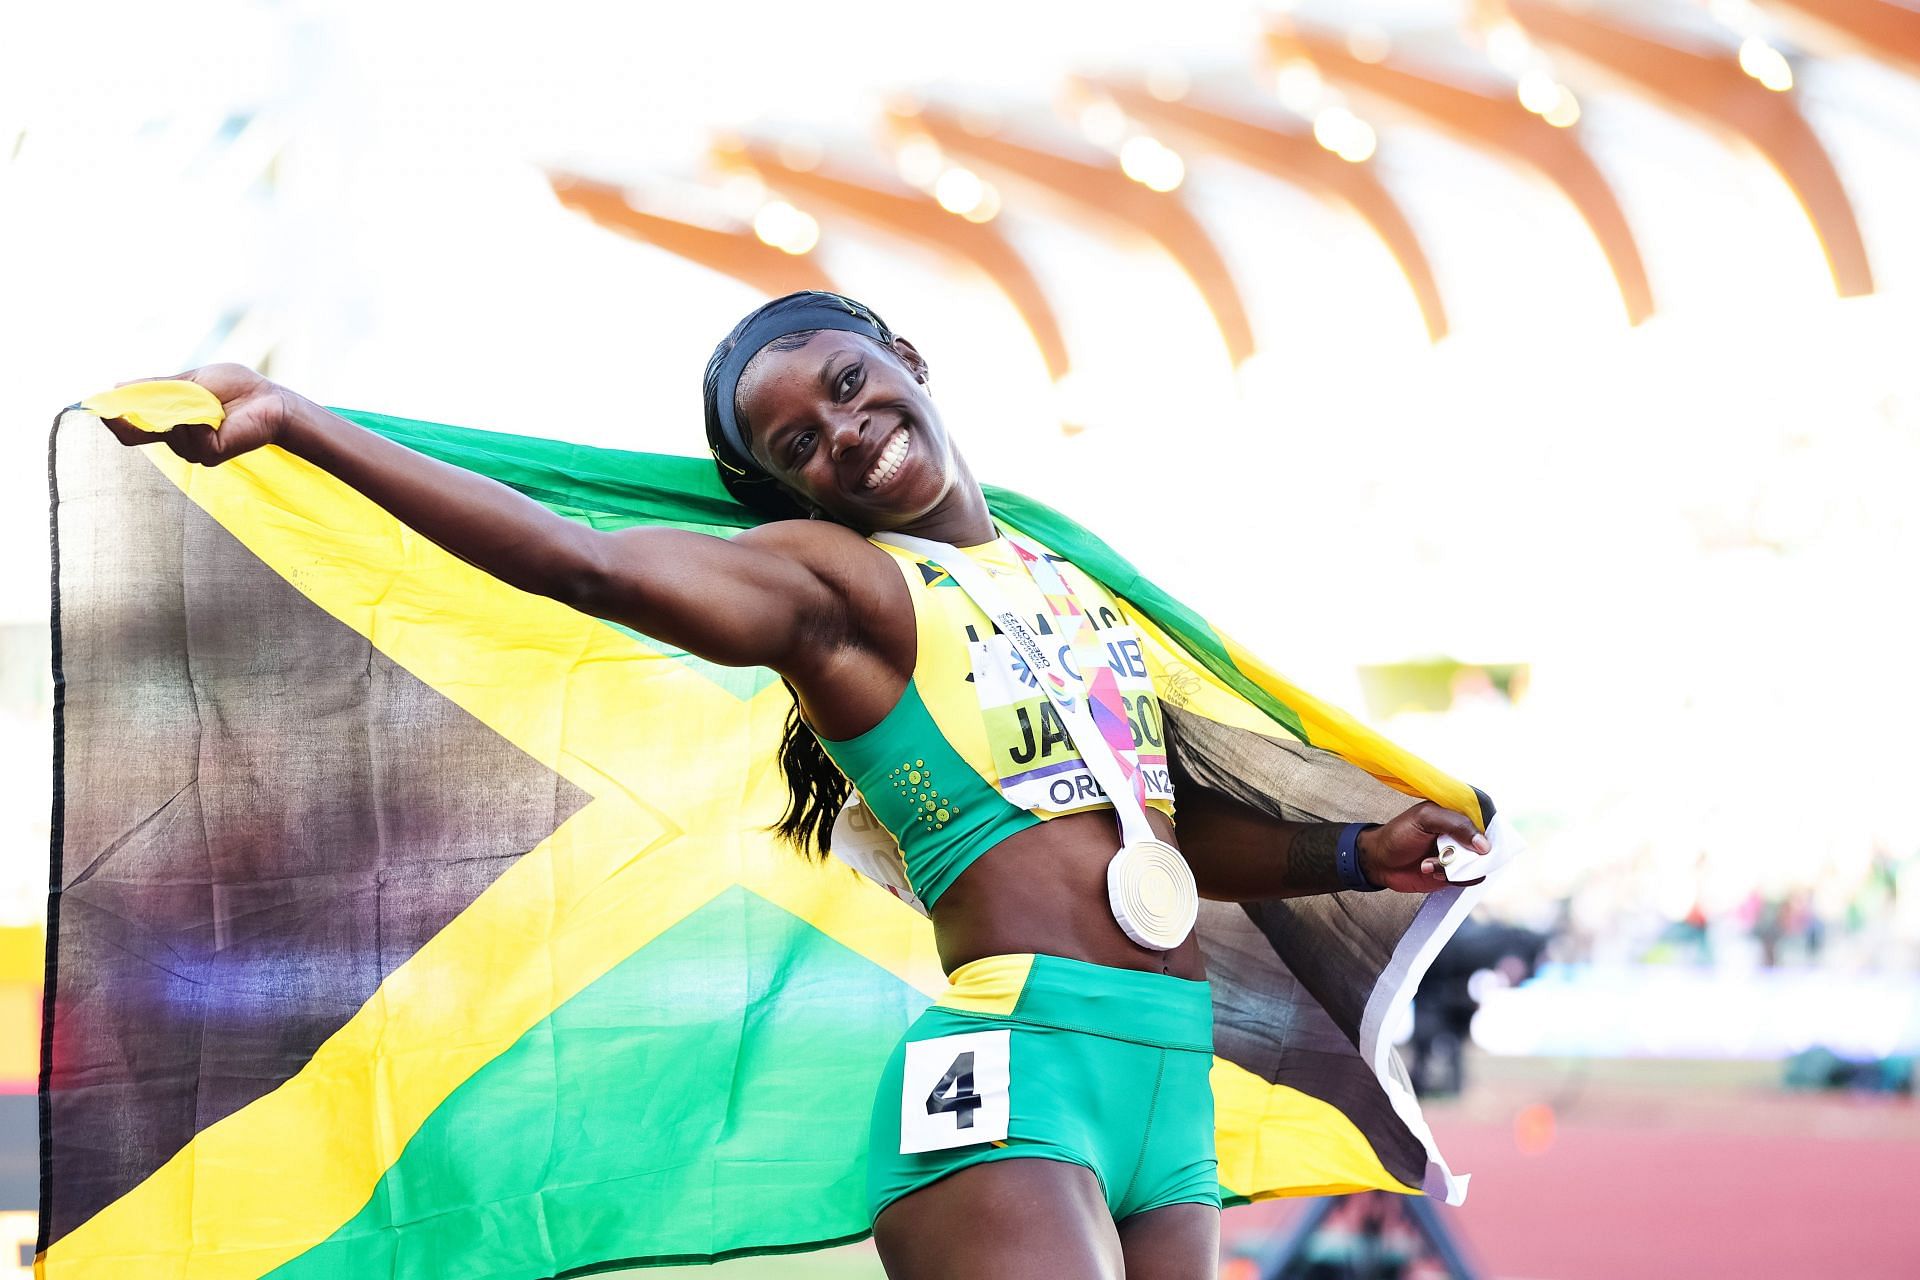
pixel 849 426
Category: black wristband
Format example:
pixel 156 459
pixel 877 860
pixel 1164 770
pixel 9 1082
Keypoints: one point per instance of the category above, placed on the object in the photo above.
pixel 1346 859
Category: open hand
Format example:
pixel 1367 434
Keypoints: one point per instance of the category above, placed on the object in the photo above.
pixel 257 411
pixel 1402 853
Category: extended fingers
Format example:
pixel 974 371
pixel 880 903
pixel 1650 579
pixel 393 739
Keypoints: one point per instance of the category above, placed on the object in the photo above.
pixel 194 442
pixel 126 433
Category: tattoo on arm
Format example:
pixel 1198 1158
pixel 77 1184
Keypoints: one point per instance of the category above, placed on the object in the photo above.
pixel 1310 859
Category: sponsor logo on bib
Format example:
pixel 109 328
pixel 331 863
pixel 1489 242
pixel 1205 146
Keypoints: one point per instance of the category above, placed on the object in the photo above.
pixel 1034 756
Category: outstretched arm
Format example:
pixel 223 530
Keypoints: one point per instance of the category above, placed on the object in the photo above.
pixel 758 599
pixel 1239 854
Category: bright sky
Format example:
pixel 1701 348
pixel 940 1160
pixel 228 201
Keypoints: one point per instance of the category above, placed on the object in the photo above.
pixel 1698 532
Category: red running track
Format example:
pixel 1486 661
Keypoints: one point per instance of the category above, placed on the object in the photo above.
pixel 1613 1199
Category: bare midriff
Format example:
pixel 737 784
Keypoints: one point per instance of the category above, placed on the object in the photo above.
pixel 1045 890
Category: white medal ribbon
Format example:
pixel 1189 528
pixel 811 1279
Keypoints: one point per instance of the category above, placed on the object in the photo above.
pixel 1150 888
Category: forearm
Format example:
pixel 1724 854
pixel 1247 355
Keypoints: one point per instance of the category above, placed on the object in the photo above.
pixel 1307 862
pixel 479 520
pixel 742 602
pixel 1241 855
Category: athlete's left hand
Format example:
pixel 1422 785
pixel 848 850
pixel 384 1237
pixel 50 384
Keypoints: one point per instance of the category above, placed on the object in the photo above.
pixel 1400 854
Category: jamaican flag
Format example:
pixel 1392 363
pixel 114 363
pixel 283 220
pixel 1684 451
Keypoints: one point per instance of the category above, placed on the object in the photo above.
pixel 405 924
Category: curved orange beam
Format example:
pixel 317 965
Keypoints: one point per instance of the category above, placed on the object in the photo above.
pixel 1104 189
pixel 919 217
pixel 739 254
pixel 1883 28
pixel 1283 147
pixel 1490 115
pixel 1707 81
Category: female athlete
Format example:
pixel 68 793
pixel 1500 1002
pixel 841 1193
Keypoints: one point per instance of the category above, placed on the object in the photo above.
pixel 1051 1116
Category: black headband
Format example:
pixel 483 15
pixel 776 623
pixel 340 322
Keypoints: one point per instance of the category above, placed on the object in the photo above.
pixel 765 329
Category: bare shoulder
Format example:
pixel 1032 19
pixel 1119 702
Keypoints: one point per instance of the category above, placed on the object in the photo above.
pixel 798 538
pixel 835 552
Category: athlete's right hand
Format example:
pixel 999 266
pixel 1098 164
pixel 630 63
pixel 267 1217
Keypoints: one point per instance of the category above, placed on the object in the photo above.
pixel 257 413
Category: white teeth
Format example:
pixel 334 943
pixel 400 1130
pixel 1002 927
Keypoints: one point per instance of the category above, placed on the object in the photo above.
pixel 889 461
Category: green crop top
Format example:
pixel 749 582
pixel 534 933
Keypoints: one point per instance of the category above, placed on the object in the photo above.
pixel 974 751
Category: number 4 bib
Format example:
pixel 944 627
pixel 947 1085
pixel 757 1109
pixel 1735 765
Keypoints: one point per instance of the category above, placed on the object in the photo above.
pixel 954 1092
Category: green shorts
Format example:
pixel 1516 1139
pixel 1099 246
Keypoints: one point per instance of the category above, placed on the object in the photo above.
pixel 1041 1057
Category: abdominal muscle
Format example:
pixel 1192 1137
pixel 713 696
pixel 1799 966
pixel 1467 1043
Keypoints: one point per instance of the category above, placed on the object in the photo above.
pixel 1044 890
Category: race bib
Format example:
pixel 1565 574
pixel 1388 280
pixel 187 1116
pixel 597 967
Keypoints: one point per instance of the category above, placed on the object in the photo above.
pixel 1033 755
pixel 955 1092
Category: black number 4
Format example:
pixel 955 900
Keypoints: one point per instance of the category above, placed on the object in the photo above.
pixel 955 1092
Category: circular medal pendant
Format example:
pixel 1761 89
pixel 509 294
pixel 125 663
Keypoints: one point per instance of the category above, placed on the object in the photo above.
pixel 1152 893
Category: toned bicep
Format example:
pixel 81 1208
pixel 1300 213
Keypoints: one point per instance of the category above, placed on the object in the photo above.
pixel 747 601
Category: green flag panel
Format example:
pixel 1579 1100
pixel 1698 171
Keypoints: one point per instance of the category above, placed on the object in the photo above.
pixel 626 1115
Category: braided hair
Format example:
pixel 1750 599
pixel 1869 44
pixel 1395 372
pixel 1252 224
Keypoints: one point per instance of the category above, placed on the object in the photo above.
pixel 816 789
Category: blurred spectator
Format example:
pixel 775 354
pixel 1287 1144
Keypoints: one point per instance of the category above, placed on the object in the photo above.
pixel 1449 995
pixel 1855 914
